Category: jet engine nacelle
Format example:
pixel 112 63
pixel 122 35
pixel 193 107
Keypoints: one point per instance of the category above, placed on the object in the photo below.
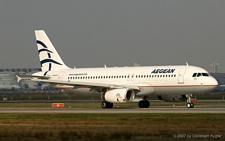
pixel 119 95
pixel 172 98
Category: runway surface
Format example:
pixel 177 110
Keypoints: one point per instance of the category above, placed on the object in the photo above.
pixel 165 109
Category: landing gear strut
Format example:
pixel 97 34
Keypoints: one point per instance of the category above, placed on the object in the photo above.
pixel 144 104
pixel 189 103
pixel 106 105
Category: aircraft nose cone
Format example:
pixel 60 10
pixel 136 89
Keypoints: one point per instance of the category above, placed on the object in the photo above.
pixel 213 83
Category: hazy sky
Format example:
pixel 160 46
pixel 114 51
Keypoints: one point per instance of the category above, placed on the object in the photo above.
pixel 91 33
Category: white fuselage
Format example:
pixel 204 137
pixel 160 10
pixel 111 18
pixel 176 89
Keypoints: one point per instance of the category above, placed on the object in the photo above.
pixel 158 80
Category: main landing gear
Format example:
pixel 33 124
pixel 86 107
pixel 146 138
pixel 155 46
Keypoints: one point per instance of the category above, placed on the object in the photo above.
pixel 189 103
pixel 144 104
pixel 106 105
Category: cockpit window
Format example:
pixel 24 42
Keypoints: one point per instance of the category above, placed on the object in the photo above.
pixel 205 74
pixel 194 75
pixel 200 74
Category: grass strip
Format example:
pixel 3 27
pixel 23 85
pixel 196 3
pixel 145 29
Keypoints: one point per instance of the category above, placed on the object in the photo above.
pixel 143 126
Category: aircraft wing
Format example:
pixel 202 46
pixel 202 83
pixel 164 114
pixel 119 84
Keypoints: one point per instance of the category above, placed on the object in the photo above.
pixel 90 85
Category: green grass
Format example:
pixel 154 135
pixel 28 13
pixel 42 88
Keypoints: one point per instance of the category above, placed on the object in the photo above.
pixel 58 126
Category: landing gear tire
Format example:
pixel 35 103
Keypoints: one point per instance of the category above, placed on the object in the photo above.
pixel 144 104
pixel 190 105
pixel 141 104
pixel 110 105
pixel 147 104
pixel 106 105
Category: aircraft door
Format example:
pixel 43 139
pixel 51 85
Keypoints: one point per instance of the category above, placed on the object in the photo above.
pixel 181 76
pixel 61 75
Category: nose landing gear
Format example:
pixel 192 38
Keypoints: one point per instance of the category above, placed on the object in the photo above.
pixel 189 103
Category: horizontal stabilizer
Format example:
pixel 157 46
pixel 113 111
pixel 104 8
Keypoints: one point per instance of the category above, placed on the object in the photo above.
pixel 30 77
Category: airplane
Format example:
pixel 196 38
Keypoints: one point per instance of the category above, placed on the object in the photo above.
pixel 122 84
pixel 10 87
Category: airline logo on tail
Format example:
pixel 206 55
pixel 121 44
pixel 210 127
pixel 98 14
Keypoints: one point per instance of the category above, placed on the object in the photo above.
pixel 49 57
pixel 49 60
